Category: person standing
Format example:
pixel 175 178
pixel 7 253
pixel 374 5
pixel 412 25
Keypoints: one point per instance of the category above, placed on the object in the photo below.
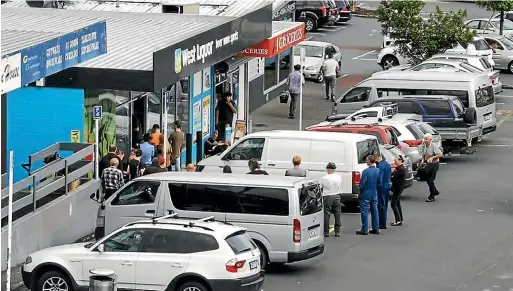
pixel 160 149
pixel 133 164
pixel 296 171
pixel 385 172
pixel 368 197
pixel 176 139
pixel 431 155
pixel 157 166
pixel 398 181
pixel 148 151
pixel 331 190
pixel 105 160
pixel 254 168
pixel 112 178
pixel 295 81
pixel 225 110
pixel 155 135
pixel 330 76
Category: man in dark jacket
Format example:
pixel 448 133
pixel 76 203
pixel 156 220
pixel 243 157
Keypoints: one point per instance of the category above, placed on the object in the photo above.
pixel 105 160
pixel 156 166
pixel 368 197
pixel 385 172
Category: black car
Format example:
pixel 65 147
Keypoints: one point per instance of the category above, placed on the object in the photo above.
pixel 315 14
pixel 344 11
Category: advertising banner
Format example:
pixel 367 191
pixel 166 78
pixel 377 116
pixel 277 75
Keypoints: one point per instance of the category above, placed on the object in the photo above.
pixel 276 44
pixel 11 77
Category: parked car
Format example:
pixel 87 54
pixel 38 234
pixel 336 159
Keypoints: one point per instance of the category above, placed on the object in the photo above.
pixel 459 64
pixel 161 254
pixel 315 54
pixel 507 15
pixel 388 57
pixel 490 26
pixel 503 51
pixel 315 14
pixel 334 12
pixel 389 153
pixel 344 11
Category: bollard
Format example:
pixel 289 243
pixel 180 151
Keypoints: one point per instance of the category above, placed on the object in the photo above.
pixel 188 148
pixel 199 146
pixel 102 280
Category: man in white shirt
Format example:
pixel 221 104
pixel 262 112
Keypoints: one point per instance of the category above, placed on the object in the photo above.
pixel 331 190
pixel 330 76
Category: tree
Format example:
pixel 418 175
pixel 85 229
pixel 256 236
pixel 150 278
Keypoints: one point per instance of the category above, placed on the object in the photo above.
pixel 497 5
pixel 417 39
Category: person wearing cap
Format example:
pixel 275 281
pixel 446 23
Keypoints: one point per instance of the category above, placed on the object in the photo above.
pixel 431 155
pixel 158 165
pixel 385 173
pixel 331 190
pixel 368 197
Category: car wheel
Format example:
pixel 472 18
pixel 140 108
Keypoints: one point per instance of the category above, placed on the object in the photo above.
pixel 264 257
pixel 510 67
pixel 54 280
pixel 192 286
pixel 388 62
pixel 320 77
pixel 310 24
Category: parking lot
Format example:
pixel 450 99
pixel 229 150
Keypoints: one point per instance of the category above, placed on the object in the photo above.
pixel 460 242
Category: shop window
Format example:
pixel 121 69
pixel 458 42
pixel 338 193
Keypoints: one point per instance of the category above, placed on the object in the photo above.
pixel 182 103
pixel 234 80
pixel 270 73
pixel 284 65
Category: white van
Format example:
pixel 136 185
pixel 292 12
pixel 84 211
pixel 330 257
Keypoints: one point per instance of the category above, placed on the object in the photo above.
pixel 283 215
pixel 275 149
pixel 473 89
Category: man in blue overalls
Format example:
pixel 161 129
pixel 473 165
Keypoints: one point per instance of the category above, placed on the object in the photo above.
pixel 368 197
pixel 385 172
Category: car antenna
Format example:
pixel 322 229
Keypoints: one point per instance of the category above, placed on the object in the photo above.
pixel 156 219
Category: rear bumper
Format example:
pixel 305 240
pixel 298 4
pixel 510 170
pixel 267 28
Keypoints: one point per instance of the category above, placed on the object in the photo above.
pixel 345 16
pixel 489 129
pixel 252 283
pixel 305 255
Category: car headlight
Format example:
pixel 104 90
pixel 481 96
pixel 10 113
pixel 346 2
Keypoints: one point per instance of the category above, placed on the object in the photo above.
pixel 311 68
pixel 28 260
pixel 100 221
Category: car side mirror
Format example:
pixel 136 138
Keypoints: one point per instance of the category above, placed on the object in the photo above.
pixel 101 248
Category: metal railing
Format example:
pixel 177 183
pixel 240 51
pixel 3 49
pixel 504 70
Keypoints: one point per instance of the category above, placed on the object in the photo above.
pixel 47 183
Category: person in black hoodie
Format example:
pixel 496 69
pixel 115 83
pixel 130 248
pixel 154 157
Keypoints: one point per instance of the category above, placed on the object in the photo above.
pixel 398 181
pixel 254 168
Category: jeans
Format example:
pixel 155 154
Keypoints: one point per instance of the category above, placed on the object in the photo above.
pixel 177 166
pixel 330 86
pixel 430 179
pixel 366 205
pixel 383 205
pixel 395 204
pixel 333 205
pixel 293 101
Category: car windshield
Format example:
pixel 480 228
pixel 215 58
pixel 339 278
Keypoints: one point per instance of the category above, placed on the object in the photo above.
pixel 507 43
pixel 508 24
pixel 481 44
pixel 310 51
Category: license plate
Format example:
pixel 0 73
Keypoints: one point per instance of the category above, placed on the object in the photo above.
pixel 253 265
pixel 313 232
pixel 487 117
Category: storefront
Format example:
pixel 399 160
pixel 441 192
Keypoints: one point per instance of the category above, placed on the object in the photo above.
pixel 284 11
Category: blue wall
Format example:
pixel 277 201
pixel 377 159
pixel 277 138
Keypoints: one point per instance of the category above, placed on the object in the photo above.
pixel 38 117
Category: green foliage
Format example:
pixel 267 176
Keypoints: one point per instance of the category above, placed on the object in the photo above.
pixel 496 5
pixel 417 39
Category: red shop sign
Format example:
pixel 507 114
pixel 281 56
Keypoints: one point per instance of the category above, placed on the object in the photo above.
pixel 276 44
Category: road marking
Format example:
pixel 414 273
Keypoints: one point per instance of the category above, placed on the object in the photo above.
pixel 500 122
pixel 317 33
pixel 504 112
pixel 499 103
pixel 504 96
pixel 329 29
pixel 345 75
pixel 366 59
pixel 497 145
pixel 363 55
pixel 442 163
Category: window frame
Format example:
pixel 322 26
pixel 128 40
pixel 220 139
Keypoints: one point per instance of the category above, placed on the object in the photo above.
pixel 228 155
pixel 108 237
pixel 368 91
pixel 114 201
pixel 187 242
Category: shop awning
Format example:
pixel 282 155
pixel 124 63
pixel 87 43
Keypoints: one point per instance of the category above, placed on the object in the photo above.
pixel 285 36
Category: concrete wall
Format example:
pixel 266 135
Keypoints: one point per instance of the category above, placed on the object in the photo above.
pixel 62 221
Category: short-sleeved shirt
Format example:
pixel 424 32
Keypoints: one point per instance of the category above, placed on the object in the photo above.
pixel 176 138
pixel 331 184
pixel 295 172
pixel 148 151
pixel 330 68
pixel 428 152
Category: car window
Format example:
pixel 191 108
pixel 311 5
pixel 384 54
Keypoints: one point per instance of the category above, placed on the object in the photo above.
pixel 310 51
pixel 172 241
pixel 128 240
pixel 494 44
pixel 485 25
pixel 391 137
pixel 137 192
pixel 462 95
pixel 423 67
pixel 408 107
pixel 473 24
pixel 436 107
pixel 508 24
pixel 470 68
pixel 458 105
pixel 366 148
pixel 426 128
pixel 507 43
pixel 358 94
pixel 373 133
pixel 367 113
pixel 310 199
pixel 480 44
pixel 415 131
pixel 251 148
pixel 387 92
pixel 330 50
pixel 240 242
pixel 484 96
pixel 485 63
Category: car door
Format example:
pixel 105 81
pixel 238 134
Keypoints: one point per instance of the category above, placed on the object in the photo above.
pixel 499 53
pixel 163 257
pixel 354 100
pixel 120 253
pixel 238 156
pixel 137 200
pixel 278 161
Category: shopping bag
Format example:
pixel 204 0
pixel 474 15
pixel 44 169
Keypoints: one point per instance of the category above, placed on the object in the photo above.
pixel 284 97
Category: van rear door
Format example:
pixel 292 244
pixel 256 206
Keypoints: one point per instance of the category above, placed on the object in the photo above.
pixel 310 215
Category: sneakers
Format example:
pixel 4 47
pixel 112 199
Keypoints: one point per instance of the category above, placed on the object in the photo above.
pixel 397 223
pixel 430 199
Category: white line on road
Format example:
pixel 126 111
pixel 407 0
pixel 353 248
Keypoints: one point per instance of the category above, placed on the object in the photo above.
pixel 317 33
pixel 497 145
pixel 499 103
pixel 329 29
pixel 366 59
pixel 345 75
pixel 363 55
pixel 500 122
pixel 504 96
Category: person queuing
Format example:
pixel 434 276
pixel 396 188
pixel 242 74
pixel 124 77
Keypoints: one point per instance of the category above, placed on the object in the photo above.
pixel 148 151
pixel 294 82
pixel 330 76
pixel 160 150
pixel 105 160
pixel 213 145
pixel 368 197
pixel 134 161
pixel 112 178
pixel 385 172
pixel 155 134
pixel 176 139
pixel 431 155
pixel 158 165
pixel 398 181
pixel 331 185
pixel 191 168
pixel 296 171
pixel 225 110
pixel 254 168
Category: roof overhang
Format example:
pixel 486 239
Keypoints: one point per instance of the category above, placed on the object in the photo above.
pixel 285 36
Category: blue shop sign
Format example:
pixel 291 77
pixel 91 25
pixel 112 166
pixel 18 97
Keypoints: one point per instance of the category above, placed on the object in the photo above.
pixel 66 51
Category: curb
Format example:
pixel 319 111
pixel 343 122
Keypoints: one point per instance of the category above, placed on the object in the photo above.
pixel 504 86
pixel 364 16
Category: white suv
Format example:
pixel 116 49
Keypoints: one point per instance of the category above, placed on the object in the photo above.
pixel 165 253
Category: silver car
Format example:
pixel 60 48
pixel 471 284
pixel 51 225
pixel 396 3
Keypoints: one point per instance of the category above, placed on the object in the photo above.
pixel 389 152
pixel 503 51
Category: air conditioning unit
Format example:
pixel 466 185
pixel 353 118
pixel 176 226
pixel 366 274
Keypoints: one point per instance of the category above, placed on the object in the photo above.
pixel 180 7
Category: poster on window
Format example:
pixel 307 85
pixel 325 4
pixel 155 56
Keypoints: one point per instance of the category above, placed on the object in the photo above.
pixel 205 127
pixel 240 129
pixel 196 117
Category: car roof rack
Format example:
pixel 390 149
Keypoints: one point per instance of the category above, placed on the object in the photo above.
pixel 206 219
pixel 156 219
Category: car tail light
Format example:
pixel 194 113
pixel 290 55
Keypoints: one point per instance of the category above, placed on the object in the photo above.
pixel 413 143
pixel 399 146
pixel 356 178
pixel 324 10
pixel 344 9
pixel 492 79
pixel 234 265
pixel 297 231
pixel 334 12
